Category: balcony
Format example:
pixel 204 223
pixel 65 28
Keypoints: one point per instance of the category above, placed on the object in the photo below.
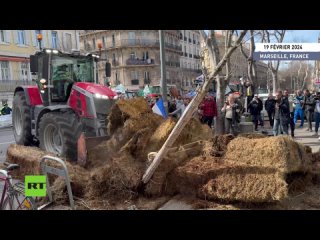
pixel 10 85
pixel 139 42
pixel 173 46
pixel 131 61
pixel 135 82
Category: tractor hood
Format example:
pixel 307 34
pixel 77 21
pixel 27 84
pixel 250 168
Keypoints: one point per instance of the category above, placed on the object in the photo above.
pixel 97 89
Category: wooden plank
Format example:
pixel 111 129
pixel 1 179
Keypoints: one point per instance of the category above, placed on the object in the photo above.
pixel 187 115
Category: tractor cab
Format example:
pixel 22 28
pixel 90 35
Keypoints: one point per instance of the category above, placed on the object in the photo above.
pixel 57 72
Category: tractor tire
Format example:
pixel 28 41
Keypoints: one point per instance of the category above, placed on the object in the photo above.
pixel 59 133
pixel 21 120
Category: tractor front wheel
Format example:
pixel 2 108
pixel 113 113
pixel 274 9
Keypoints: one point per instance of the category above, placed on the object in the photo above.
pixel 59 133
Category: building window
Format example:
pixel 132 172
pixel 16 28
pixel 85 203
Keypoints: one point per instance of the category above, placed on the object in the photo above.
pixel 94 43
pixel 132 55
pixel 3 36
pixel 117 78
pixel 4 70
pixel 146 75
pixel 104 42
pixel 145 55
pixel 113 41
pixel 54 39
pixel 185 49
pixel 68 41
pixel 21 37
pixel 134 75
pixel 24 71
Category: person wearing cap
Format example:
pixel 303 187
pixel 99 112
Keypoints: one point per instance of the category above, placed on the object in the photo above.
pixel 6 110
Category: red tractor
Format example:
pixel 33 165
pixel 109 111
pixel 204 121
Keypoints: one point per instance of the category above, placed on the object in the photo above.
pixel 66 102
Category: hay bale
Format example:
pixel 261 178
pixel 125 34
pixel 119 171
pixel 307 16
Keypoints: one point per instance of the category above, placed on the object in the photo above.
pixel 27 157
pixel 133 107
pixel 246 187
pixel 279 152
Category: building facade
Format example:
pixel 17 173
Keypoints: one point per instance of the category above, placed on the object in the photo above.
pixel 135 56
pixel 190 58
pixel 16 46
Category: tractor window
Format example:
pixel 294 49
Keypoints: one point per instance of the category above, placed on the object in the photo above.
pixel 67 70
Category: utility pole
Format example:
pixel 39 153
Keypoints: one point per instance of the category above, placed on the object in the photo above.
pixel 163 83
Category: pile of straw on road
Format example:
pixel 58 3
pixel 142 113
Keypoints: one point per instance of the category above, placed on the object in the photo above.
pixel 249 168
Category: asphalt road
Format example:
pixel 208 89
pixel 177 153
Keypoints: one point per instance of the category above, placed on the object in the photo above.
pixel 6 138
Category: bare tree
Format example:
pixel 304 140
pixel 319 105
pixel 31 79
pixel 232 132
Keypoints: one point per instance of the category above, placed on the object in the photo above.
pixel 214 58
pixel 252 67
pixel 214 55
pixel 268 36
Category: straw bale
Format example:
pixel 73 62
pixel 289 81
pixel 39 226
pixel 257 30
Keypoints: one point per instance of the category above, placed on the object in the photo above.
pixel 279 152
pixel 246 187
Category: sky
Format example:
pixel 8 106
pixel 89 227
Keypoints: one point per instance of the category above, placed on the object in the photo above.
pixel 302 36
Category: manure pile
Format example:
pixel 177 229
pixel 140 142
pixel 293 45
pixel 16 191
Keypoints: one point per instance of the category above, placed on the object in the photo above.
pixel 250 168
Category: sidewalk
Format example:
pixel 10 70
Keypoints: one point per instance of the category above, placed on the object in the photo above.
pixel 301 135
pixel 305 137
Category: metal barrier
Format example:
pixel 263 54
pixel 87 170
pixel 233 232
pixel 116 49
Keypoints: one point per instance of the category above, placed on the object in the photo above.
pixel 59 172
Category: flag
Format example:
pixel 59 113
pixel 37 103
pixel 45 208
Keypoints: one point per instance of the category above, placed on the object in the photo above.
pixel 159 109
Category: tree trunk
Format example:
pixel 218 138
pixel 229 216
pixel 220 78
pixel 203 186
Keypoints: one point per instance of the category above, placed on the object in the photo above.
pixel 274 82
pixel 219 128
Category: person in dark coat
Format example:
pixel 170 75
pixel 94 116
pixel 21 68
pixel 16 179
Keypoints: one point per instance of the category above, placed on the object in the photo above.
pixel 291 112
pixel 281 116
pixel 309 105
pixel 269 105
pixel 254 109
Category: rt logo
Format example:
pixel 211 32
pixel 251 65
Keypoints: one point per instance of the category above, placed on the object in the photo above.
pixel 35 186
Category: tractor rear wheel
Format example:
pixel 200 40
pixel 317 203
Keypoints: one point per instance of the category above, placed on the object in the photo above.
pixel 21 120
pixel 59 133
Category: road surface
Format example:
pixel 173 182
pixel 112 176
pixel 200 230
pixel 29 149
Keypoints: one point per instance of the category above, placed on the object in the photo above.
pixel 6 138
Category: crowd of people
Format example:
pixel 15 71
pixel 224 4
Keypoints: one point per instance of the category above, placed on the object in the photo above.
pixel 283 110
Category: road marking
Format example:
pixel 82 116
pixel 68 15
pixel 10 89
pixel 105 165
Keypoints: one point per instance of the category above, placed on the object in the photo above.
pixel 7 143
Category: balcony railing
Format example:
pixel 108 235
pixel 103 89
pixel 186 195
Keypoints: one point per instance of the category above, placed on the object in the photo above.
pixel 131 61
pixel 173 46
pixel 10 85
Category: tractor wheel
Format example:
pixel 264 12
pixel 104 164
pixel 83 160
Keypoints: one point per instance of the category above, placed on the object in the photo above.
pixel 21 120
pixel 59 133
